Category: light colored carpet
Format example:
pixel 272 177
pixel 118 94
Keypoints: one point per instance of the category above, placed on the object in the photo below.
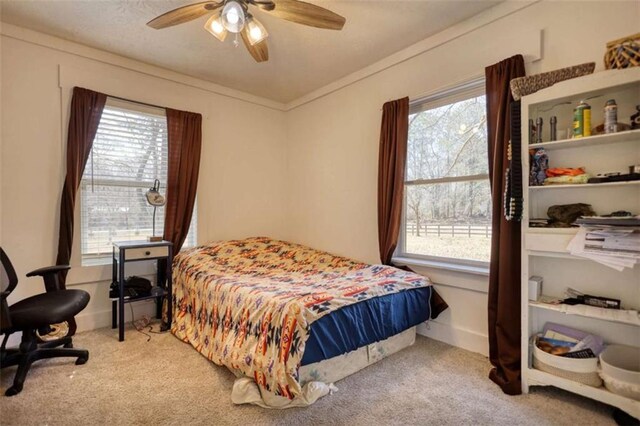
pixel 165 381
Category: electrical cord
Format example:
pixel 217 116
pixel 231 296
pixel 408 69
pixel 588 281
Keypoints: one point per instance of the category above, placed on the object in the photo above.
pixel 141 324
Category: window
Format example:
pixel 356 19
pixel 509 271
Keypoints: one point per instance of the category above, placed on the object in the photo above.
pixel 447 210
pixel 129 152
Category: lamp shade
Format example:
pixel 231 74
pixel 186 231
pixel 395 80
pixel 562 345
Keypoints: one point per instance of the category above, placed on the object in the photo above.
pixel 233 17
pixel 215 26
pixel 256 31
pixel 154 197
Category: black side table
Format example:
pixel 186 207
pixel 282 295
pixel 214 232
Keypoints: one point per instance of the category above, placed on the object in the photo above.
pixel 137 251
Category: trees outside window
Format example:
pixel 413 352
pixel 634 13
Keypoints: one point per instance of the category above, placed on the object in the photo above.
pixel 447 196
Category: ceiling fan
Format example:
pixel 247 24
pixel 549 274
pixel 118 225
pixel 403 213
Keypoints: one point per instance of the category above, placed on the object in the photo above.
pixel 234 17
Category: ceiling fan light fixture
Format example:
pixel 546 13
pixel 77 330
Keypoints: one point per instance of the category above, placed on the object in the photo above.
pixel 233 16
pixel 256 31
pixel 216 28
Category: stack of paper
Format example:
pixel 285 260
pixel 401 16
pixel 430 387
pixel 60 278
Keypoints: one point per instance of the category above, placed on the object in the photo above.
pixel 615 246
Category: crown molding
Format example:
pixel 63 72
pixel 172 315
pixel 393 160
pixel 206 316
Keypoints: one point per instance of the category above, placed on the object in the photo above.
pixel 474 23
pixel 77 49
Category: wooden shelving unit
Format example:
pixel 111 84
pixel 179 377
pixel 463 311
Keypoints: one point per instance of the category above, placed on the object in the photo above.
pixel 544 250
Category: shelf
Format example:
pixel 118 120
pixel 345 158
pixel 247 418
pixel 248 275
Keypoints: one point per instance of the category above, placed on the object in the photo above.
pixel 579 88
pixel 585 185
pixel 553 231
pixel 550 244
pixel 540 378
pixel 626 136
pixel 624 316
pixel 554 254
pixel 138 299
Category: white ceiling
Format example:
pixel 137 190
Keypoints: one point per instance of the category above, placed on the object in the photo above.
pixel 301 59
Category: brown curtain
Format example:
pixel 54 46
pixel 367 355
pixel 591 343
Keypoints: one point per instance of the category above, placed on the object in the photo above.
pixel 392 157
pixel 185 141
pixel 84 117
pixel 394 132
pixel 504 275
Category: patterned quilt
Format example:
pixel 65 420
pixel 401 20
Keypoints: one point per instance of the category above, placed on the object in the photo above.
pixel 248 304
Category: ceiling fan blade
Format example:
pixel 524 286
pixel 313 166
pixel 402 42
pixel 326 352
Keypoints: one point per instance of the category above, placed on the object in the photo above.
pixel 307 14
pixel 183 14
pixel 267 5
pixel 259 51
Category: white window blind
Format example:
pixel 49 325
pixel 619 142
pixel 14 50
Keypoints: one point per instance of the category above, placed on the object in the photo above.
pixel 129 152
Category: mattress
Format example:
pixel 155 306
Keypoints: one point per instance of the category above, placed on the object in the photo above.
pixel 337 368
pixel 258 305
pixel 317 379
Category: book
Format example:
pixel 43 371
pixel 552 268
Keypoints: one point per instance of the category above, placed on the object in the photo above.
pixel 555 336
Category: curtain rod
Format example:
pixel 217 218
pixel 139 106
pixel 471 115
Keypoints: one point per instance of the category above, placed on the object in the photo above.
pixel 137 102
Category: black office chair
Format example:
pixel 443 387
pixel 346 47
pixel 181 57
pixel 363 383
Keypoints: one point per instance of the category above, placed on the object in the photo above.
pixel 36 313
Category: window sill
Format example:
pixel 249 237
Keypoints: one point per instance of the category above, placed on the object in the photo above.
pixel 448 266
pixel 97 261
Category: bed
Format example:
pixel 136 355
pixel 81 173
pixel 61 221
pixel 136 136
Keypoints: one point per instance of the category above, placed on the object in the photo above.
pixel 283 315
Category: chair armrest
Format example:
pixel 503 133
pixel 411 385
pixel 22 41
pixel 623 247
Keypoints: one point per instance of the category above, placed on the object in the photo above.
pixel 51 276
pixel 48 270
pixel 5 318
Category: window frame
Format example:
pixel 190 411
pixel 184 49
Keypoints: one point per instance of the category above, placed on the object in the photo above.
pixel 91 260
pixel 459 92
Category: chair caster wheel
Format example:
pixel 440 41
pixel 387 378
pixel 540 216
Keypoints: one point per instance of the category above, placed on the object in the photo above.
pixel 68 345
pixel 82 360
pixel 622 418
pixel 13 390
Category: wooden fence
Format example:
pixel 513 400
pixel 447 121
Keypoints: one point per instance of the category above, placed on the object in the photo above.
pixel 452 230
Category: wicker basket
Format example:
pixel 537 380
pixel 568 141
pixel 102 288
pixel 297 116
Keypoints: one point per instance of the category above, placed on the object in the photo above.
pixel 620 370
pixel 523 86
pixel 623 53
pixel 583 371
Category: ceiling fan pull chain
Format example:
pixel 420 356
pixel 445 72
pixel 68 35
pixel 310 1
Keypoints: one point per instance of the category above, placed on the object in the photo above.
pixel 236 43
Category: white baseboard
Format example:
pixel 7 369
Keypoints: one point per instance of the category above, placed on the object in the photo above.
pixel 93 320
pixel 99 319
pixel 462 338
